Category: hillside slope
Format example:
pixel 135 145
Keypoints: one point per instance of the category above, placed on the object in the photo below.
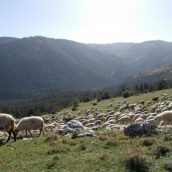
pixel 143 55
pixel 37 65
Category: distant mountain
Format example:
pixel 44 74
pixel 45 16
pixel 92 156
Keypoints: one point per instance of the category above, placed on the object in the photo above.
pixel 163 72
pixel 143 55
pixel 35 66
pixel 4 40
pixel 152 77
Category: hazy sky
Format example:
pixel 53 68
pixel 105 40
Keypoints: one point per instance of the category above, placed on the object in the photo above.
pixel 93 21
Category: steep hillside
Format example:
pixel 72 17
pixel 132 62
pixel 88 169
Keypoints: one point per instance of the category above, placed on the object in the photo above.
pixel 143 55
pixel 163 72
pixel 36 65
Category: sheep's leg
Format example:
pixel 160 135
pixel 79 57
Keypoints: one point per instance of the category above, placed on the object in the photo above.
pixel 26 132
pixel 8 136
pixel 30 133
pixel 41 130
pixel 14 134
pixel 166 128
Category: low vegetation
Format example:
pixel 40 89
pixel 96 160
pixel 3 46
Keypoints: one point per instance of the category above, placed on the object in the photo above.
pixel 108 151
pixel 116 153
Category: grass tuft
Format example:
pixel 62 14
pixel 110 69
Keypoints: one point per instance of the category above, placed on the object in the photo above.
pixel 103 156
pixel 148 142
pixel 82 147
pixel 58 150
pixel 161 151
pixel 110 143
pixel 168 166
pixel 136 163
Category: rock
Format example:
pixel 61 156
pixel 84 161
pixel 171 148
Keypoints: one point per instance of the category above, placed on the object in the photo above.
pixel 72 125
pixel 86 135
pixel 139 129
pixel 75 124
pixel 25 138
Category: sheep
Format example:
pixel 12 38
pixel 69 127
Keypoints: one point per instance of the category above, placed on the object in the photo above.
pixel 139 120
pixel 90 125
pixel 164 117
pixel 7 123
pixel 142 102
pixel 30 123
pixel 124 119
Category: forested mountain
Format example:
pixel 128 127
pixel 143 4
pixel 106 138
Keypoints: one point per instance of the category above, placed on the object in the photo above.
pixel 142 56
pixel 37 66
pixel 163 72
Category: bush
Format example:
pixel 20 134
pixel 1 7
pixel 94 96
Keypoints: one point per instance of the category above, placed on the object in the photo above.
pixel 168 166
pixel 75 104
pixel 94 103
pixel 105 95
pixel 161 151
pixel 136 163
pixel 148 142
pixel 82 147
pixel 126 94
pixel 75 134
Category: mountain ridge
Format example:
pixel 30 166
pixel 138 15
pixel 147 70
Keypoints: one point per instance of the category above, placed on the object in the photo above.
pixel 34 66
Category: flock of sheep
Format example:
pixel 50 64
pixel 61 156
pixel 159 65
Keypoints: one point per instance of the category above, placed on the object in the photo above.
pixel 159 113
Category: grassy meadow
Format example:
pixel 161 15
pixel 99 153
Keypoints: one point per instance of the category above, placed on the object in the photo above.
pixel 133 99
pixel 108 151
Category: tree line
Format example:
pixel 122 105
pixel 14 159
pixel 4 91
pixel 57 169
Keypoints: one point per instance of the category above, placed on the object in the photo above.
pixel 56 102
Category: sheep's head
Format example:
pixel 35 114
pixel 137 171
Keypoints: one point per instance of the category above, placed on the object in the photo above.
pixel 156 120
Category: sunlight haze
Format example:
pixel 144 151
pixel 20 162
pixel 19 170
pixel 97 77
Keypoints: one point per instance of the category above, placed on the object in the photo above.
pixel 89 21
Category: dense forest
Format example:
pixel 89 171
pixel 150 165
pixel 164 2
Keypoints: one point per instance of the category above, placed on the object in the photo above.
pixel 56 102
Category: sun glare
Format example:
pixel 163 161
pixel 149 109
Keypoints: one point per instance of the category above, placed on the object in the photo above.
pixel 111 19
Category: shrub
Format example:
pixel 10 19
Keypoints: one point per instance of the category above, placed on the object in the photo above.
pixel 94 103
pixel 69 141
pixel 75 134
pixel 148 142
pixel 105 95
pixel 82 147
pixel 125 94
pixel 168 166
pixel 161 151
pixel 136 163
pixel 75 104
pixel 168 137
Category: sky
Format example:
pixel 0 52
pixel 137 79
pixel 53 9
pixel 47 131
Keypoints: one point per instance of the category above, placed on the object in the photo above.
pixel 88 21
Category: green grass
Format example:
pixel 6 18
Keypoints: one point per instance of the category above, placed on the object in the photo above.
pixel 84 154
pixel 133 99
pixel 106 152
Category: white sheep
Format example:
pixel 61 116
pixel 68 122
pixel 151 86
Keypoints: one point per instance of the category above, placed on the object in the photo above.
pixel 165 116
pixel 7 123
pixel 124 119
pixel 139 120
pixel 30 123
